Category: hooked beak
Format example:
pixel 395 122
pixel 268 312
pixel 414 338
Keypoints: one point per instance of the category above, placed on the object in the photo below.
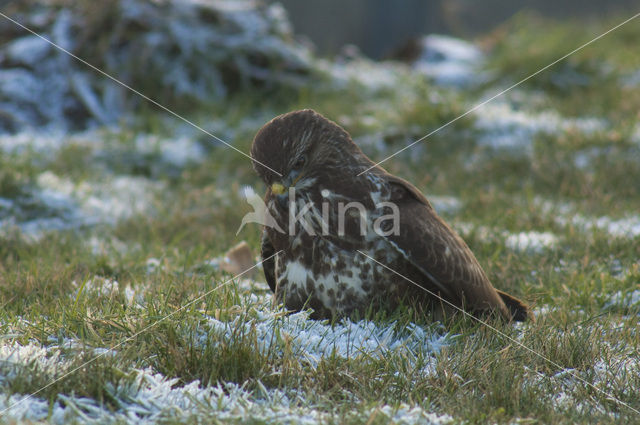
pixel 289 181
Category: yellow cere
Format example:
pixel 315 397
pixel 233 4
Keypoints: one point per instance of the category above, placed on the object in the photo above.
pixel 278 189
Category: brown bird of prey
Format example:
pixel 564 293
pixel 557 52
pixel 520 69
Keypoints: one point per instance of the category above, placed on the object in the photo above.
pixel 353 237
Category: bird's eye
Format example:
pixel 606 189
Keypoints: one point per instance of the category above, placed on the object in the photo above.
pixel 300 162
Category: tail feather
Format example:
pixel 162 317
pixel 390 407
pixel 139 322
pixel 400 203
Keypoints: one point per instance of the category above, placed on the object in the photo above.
pixel 519 310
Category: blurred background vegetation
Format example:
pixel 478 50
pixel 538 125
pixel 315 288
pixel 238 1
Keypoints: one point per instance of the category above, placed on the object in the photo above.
pixel 377 27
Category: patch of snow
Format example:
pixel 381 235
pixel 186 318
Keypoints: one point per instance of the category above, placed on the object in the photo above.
pixel 606 373
pixel 449 61
pixel 312 340
pixel 503 126
pixel 586 159
pixel 153 398
pixel 40 211
pixel 45 143
pixel 529 241
pixel 31 99
pixel 13 355
pixel 6 204
pixel 60 204
pixel 27 50
pixel 132 296
pixel 154 265
pixel 544 310
pixel 109 201
pixel 553 208
pixel 251 285
pixel 631 80
pixel 566 214
pixel 536 242
pixel 369 75
pixel 109 246
pixel 612 374
pixel 466 229
pixel 99 286
pixel 407 415
pixel 109 149
pixel 445 204
pixel 383 138
pixel 439 48
pixel 179 151
pixel 628 299
pixel 582 160
pixel 628 227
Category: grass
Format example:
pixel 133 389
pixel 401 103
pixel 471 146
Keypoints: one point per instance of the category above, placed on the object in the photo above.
pixel 53 290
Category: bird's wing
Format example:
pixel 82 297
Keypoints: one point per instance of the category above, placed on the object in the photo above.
pixel 448 264
pixel 269 265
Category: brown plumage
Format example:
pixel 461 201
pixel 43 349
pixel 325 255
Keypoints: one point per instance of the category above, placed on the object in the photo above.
pixel 320 266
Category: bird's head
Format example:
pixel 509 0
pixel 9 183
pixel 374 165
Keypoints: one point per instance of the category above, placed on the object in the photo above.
pixel 297 148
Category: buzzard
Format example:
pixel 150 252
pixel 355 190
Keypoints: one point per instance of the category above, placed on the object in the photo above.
pixel 354 237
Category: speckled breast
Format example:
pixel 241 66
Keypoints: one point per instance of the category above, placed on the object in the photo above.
pixel 324 270
pixel 338 283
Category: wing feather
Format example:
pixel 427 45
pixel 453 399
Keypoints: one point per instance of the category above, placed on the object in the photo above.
pixel 268 266
pixel 435 249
